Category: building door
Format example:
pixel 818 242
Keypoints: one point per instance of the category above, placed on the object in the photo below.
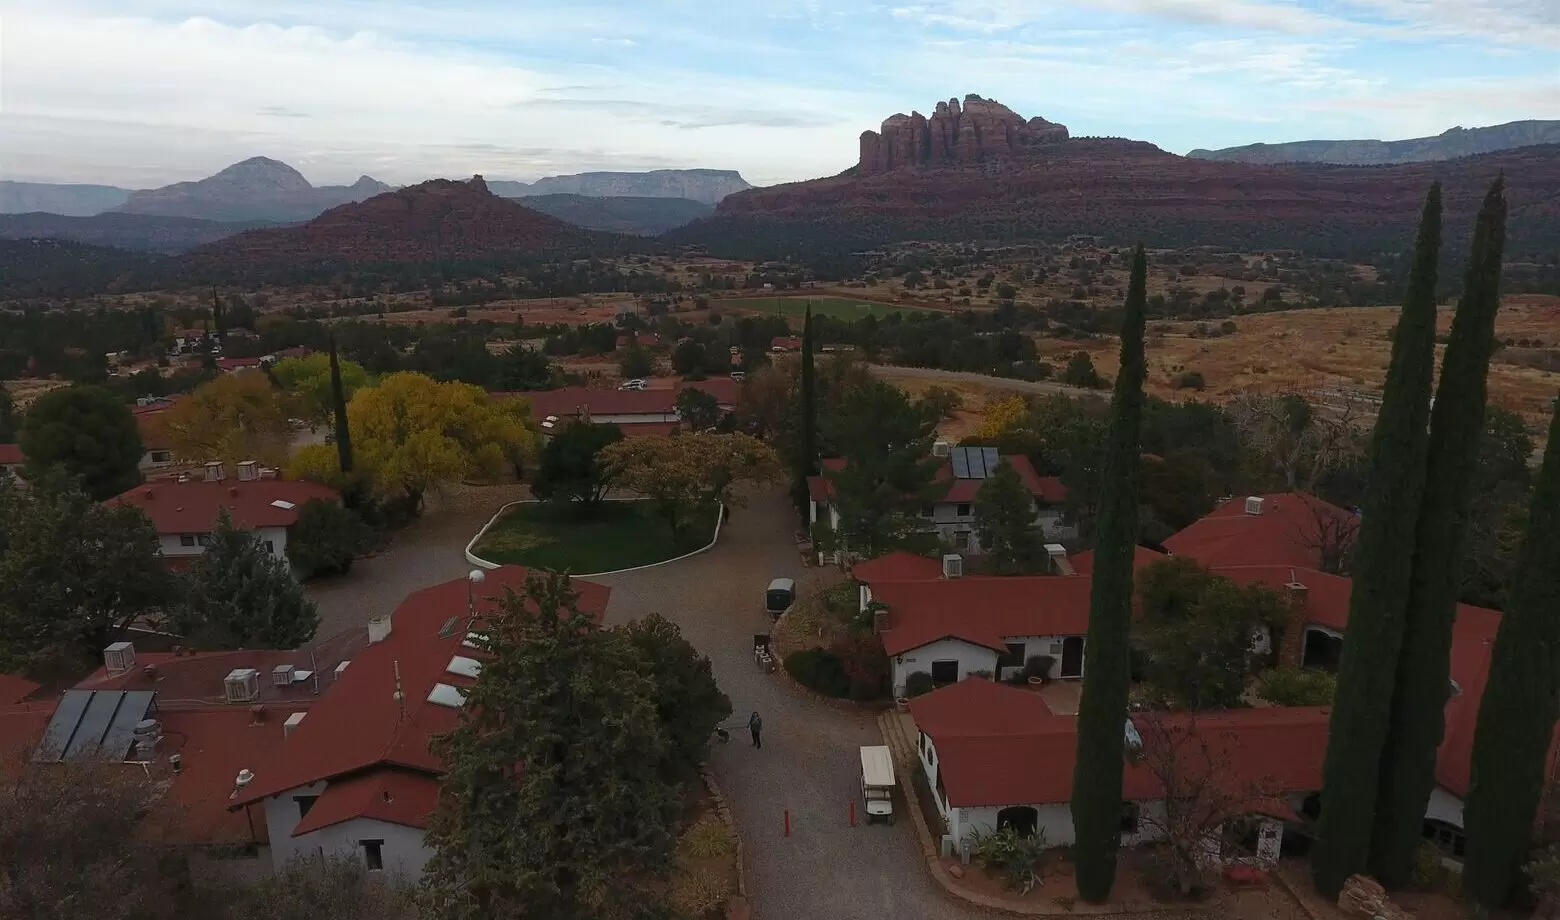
pixel 945 672
pixel 1072 656
pixel 1322 651
pixel 1021 818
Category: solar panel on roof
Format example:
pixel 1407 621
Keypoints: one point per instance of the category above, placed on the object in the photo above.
pixel 961 462
pixel 62 727
pixel 121 732
pixel 989 454
pixel 94 724
pixel 450 627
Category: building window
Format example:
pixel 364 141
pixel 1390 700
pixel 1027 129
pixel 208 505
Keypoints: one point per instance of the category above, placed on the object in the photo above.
pixel 162 456
pixel 305 802
pixel 186 539
pixel 963 510
pixel 927 511
pixel 270 547
pixel 1130 817
pixel 1012 658
pixel 1448 838
pixel 373 854
pixel 945 672
pixel 204 539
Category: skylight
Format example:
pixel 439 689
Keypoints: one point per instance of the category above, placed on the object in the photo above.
pixel 464 667
pixel 446 695
pixel 283 504
pixel 474 640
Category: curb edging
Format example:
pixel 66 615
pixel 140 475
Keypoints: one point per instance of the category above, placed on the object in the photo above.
pixel 723 811
pixel 474 559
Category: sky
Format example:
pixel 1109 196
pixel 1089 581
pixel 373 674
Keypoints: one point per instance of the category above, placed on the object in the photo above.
pixel 139 93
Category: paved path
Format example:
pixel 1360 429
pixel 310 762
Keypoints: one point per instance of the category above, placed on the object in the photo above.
pixel 809 763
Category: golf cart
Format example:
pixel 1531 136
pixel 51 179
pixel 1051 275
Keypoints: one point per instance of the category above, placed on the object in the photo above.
pixel 877 783
pixel 780 595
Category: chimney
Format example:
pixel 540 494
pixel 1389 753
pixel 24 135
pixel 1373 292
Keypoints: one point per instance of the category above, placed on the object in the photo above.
pixel 215 472
pixel 880 622
pixel 249 470
pixel 293 721
pixel 1058 556
pixel 341 668
pixel 378 629
pixel 1254 505
pixel 233 491
pixel 1293 650
pixel 953 566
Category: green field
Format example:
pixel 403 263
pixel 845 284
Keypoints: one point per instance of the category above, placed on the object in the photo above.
pixel 832 307
pixel 605 538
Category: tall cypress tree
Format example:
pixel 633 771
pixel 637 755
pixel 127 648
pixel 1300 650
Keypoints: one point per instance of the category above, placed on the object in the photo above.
pixel 1383 564
pixel 806 441
pixel 1440 545
pixel 1097 771
pixel 1521 702
pixel 338 405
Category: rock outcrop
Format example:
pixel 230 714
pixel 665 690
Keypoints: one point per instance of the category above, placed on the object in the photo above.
pixel 258 188
pixel 706 185
pixel 436 220
pixel 967 133
pixel 1449 144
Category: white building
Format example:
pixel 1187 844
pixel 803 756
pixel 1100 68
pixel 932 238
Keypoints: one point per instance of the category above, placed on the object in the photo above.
pixel 355 776
pixel 185 511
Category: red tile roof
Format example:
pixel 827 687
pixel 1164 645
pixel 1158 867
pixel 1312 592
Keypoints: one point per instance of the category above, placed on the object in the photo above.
pixel 786 343
pixel 1083 563
pixel 14 689
pixel 192 507
pixel 982 611
pixel 359 726
pixel 22 724
pixel 570 401
pixel 899 565
pixel 727 392
pixel 213 745
pixel 1017 754
pixel 238 364
pixel 11 455
pixel 390 795
pixel 1285 533
pixel 199 677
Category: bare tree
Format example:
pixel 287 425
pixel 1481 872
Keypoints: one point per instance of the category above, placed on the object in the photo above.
pixel 1330 533
pixel 1298 440
pixel 1193 762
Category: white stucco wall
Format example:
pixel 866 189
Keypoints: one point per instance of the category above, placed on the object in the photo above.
pixel 403 851
pixel 172 544
pixel 1444 807
pixel 970 658
pixel 1041 645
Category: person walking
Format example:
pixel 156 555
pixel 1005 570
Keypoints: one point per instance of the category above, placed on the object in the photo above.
pixel 756 725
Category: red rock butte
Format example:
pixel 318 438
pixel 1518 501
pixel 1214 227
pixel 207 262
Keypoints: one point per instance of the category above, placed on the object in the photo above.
pixel 955 134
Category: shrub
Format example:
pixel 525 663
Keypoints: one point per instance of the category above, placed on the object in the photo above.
pixel 1190 380
pixel 1011 854
pixel 865 665
pixel 325 539
pixel 819 670
pixel 1291 686
pixel 917 683
pixel 707 838
pixel 1039 666
pixel 700 891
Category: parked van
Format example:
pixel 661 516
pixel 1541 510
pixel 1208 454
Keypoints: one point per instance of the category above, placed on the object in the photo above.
pixel 780 595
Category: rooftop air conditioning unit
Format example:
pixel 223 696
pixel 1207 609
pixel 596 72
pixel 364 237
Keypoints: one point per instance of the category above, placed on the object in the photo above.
pixel 293 721
pixel 119 658
pixel 378 629
pixel 942 448
pixel 341 668
pixel 953 566
pixel 1254 504
pixel 249 470
pixel 282 675
pixel 242 685
pixel 215 472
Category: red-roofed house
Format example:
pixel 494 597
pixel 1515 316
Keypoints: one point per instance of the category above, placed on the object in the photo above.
pixel 185 513
pixel 151 416
pixel 356 775
pixel 963 471
pixel 784 343
pixel 635 411
pixel 951 628
pixel 11 459
pixel 1285 529
pixel 995 755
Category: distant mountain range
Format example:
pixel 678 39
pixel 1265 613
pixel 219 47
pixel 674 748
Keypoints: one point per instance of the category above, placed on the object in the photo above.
pixel 706 185
pixel 256 189
pixel 639 216
pixel 66 200
pixel 1455 142
pixel 148 232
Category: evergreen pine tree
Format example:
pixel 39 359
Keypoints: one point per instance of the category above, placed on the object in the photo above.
pixel 1005 521
pixel 244 596
pixel 338 405
pixel 1383 563
pixel 1097 772
pixel 551 802
pixel 806 444
pixel 1440 545
pixel 218 316
pixel 1520 704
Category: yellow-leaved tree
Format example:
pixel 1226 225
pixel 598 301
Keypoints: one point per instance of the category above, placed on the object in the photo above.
pixel 234 418
pixel 411 433
pixel 682 472
pixel 306 381
pixel 1000 417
